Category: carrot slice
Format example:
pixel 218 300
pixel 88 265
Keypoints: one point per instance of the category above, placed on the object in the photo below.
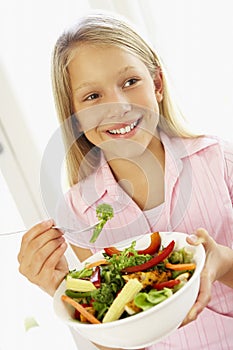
pixel 180 267
pixel 81 309
pixel 96 263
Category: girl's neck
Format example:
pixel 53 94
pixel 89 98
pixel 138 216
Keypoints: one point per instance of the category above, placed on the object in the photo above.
pixel 142 177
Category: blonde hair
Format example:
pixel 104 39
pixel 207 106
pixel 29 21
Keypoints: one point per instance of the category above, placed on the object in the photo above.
pixel 104 29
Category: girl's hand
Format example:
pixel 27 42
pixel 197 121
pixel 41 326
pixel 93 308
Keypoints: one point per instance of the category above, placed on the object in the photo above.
pixel 218 266
pixel 41 256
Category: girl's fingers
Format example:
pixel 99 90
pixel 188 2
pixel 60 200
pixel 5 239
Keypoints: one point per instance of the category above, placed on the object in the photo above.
pixel 203 298
pixel 201 236
pixel 54 270
pixel 54 259
pixel 37 230
pixel 31 234
pixel 33 262
pixel 35 239
pixel 37 244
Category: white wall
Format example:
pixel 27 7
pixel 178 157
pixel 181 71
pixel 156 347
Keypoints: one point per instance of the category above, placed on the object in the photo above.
pixel 195 39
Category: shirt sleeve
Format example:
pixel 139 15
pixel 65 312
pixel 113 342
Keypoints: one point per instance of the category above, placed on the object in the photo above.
pixel 228 155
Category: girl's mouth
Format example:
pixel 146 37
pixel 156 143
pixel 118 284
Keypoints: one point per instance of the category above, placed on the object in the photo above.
pixel 124 129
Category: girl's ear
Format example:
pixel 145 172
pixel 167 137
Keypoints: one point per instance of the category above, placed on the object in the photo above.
pixel 158 82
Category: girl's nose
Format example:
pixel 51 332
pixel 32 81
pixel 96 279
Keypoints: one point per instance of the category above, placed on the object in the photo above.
pixel 115 95
pixel 118 109
pixel 103 113
pixel 117 102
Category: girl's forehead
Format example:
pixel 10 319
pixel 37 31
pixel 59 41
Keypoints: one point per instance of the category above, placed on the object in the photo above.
pixel 103 56
pixel 83 47
pixel 89 52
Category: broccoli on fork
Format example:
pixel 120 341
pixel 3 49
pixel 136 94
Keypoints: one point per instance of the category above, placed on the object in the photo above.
pixel 104 212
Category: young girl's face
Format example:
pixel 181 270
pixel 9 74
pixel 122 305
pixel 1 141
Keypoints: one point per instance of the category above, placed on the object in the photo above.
pixel 115 98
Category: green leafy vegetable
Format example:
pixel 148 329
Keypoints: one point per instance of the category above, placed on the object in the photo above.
pixel 181 256
pixel 78 295
pixel 128 257
pixel 147 300
pixel 104 212
pixel 80 274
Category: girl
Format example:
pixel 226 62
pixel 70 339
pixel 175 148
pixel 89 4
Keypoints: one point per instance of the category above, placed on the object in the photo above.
pixel 127 147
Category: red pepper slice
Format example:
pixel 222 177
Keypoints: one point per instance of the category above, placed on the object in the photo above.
pixel 166 284
pixel 112 250
pixel 155 242
pixel 152 262
pixel 96 277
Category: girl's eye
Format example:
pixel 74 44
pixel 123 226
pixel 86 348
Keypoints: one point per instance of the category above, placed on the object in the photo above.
pixel 130 82
pixel 92 97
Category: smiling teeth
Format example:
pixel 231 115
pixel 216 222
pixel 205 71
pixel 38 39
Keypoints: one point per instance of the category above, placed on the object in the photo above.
pixel 125 130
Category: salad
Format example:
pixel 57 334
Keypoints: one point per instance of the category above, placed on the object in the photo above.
pixel 127 282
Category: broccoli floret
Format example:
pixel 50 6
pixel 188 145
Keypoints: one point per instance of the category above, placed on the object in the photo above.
pixel 104 294
pixel 103 298
pixel 104 212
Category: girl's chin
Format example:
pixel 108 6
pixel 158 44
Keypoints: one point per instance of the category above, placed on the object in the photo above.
pixel 123 148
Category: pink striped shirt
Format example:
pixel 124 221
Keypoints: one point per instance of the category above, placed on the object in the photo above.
pixel 198 193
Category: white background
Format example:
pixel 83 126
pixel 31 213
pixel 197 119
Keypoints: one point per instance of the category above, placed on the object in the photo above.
pixel 194 39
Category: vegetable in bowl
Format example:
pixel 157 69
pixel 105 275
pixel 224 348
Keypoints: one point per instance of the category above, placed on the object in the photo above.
pixel 156 321
pixel 128 282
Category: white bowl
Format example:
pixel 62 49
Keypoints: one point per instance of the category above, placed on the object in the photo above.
pixel 147 327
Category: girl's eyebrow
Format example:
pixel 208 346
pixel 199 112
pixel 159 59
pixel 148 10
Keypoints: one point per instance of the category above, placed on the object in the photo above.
pixel 91 83
pixel 85 84
pixel 125 69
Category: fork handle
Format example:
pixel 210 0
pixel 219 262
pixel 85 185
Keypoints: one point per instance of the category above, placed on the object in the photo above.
pixel 21 231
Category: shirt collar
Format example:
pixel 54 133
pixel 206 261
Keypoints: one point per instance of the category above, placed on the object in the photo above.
pixel 185 147
pixel 102 181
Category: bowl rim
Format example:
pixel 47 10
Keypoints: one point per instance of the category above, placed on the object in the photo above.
pixel 198 249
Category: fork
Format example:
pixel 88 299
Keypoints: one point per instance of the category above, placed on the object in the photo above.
pixel 62 228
